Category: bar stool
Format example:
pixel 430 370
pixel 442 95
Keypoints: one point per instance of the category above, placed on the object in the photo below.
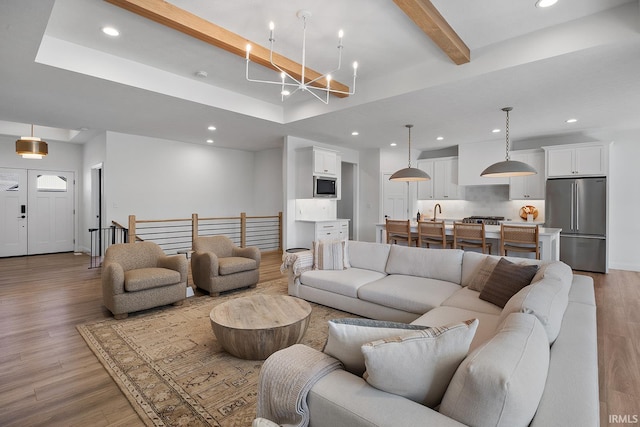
pixel 433 233
pixel 400 230
pixel 469 235
pixel 519 238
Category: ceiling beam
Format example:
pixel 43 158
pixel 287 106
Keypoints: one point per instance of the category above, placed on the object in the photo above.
pixel 427 17
pixel 186 22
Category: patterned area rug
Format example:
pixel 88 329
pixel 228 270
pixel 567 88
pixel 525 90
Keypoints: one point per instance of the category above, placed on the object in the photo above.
pixel 173 371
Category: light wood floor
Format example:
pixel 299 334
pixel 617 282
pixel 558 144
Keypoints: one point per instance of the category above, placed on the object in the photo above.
pixel 48 376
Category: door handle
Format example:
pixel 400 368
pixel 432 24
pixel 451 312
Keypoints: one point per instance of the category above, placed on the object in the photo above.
pixel 22 216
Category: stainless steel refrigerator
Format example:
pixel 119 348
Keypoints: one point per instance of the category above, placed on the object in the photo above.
pixel 579 207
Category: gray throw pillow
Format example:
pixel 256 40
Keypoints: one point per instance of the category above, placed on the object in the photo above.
pixel 506 280
pixel 482 273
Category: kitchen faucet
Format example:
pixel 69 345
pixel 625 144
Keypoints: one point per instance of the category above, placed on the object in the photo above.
pixel 439 209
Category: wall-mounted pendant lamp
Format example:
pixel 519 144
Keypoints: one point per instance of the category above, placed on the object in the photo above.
pixel 31 147
pixel 410 174
pixel 508 167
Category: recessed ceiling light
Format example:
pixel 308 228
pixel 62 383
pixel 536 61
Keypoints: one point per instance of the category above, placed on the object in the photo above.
pixel 440 138
pixel 572 120
pixel 110 31
pixel 496 131
pixel 209 141
pixel 545 3
pixel 393 144
pixel 211 128
pixel 355 133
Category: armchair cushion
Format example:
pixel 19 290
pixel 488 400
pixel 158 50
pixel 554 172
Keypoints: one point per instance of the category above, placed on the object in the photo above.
pixel 231 265
pixel 149 278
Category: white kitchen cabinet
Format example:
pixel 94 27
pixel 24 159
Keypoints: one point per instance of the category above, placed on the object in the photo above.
pixel 577 160
pixel 532 186
pixel 444 179
pixel 331 230
pixel 425 188
pixel 325 162
pixel 316 161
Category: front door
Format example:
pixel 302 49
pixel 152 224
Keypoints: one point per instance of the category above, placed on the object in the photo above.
pixel 50 212
pixel 13 212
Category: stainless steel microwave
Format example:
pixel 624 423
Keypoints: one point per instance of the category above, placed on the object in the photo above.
pixel 324 187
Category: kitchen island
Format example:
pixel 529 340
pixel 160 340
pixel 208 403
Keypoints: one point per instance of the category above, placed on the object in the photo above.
pixel 549 238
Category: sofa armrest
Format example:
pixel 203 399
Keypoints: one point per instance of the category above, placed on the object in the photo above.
pixel 177 263
pixel 113 278
pixel 249 252
pixel 365 405
pixel 204 264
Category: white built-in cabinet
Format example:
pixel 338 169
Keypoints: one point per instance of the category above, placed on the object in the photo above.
pixel 325 162
pixel 331 230
pixel 532 186
pixel 444 179
pixel 316 161
pixel 590 159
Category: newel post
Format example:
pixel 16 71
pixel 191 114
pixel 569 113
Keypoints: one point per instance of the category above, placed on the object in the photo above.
pixel 132 229
pixel 194 228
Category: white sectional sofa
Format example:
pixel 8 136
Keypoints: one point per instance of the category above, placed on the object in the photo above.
pixel 429 287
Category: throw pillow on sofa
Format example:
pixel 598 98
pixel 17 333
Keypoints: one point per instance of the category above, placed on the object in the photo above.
pixel 506 280
pixel 419 365
pixel 330 255
pixel 482 273
pixel 500 383
pixel 346 336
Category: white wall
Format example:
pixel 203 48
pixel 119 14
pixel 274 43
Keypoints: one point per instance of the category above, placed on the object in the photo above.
pixel 369 194
pixel 93 153
pixel 624 202
pixel 268 188
pixel 159 179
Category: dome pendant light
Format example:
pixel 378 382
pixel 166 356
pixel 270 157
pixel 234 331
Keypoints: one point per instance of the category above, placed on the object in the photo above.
pixel 508 167
pixel 31 147
pixel 410 174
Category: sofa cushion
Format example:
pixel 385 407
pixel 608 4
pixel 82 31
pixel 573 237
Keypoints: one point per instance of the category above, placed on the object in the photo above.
pixel 149 278
pixel 343 282
pixel 346 336
pixel 233 264
pixel 418 365
pixel 447 315
pixel 407 293
pixel 546 299
pixel 501 382
pixel 431 263
pixel 368 256
pixel 506 280
pixel 470 300
pixel 472 260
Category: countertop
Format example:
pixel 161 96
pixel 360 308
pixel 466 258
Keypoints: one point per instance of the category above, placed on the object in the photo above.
pixel 321 220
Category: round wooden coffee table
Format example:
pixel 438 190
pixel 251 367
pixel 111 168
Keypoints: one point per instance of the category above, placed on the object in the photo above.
pixel 256 326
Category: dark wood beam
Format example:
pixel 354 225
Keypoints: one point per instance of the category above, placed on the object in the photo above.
pixel 427 17
pixel 186 22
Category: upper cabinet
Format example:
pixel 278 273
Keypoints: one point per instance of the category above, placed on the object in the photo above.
pixel 577 160
pixel 532 186
pixel 325 162
pixel 473 158
pixel 316 162
pixel 444 179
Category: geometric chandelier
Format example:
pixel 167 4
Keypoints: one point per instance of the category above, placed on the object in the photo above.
pixel 30 147
pixel 319 87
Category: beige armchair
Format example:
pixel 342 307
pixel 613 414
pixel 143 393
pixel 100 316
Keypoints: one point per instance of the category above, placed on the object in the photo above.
pixel 138 276
pixel 218 265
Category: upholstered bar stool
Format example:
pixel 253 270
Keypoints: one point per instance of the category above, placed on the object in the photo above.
pixel 400 230
pixel 519 238
pixel 433 233
pixel 469 235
